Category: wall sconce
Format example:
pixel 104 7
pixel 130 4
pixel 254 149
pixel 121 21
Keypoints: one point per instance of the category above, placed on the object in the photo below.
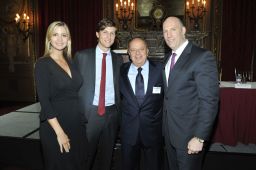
pixel 196 12
pixel 124 12
pixel 24 25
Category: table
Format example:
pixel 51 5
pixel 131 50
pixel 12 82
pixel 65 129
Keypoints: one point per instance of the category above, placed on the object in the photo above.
pixel 236 121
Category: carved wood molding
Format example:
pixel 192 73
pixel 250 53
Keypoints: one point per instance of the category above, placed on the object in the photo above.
pixel 198 38
pixel 154 40
pixel 217 30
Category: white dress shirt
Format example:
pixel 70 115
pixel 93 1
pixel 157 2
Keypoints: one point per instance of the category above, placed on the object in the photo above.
pixel 133 71
pixel 110 92
pixel 178 53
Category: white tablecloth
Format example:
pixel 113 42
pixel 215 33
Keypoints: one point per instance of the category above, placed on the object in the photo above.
pixel 247 85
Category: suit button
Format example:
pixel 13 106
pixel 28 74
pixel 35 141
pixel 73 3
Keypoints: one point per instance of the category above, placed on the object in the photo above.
pixel 166 98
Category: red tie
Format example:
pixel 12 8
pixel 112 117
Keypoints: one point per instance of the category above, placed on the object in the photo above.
pixel 101 106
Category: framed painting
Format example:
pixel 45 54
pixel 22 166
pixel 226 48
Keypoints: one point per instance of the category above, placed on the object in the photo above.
pixel 142 17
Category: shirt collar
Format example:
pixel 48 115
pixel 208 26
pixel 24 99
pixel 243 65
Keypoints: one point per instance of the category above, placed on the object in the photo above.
pixel 99 51
pixel 181 48
pixel 144 66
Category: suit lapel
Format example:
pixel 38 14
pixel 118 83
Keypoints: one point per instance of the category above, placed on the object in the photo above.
pixel 114 65
pixel 167 57
pixel 116 71
pixel 127 83
pixel 113 58
pixel 92 66
pixel 179 64
pixel 151 80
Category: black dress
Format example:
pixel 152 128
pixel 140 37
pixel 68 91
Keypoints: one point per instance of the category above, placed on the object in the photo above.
pixel 58 96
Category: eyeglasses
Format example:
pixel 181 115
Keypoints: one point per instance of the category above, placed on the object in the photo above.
pixel 134 51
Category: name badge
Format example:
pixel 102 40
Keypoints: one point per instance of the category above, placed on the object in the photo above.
pixel 156 90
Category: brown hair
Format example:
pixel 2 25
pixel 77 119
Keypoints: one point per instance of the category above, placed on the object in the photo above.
pixel 105 22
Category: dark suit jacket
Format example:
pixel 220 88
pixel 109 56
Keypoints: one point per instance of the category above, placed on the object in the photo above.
pixel 144 120
pixel 85 61
pixel 191 97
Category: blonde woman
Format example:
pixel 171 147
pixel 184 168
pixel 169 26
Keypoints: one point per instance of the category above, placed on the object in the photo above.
pixel 62 126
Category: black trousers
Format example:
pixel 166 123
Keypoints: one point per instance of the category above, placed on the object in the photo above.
pixel 101 134
pixel 135 157
pixel 179 159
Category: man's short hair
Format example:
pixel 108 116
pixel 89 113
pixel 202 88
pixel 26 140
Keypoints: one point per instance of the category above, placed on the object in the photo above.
pixel 105 22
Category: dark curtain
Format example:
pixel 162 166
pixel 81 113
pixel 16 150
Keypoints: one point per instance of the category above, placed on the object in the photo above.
pixel 80 15
pixel 238 37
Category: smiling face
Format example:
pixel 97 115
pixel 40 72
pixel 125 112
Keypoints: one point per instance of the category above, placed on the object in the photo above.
pixel 174 32
pixel 59 39
pixel 138 51
pixel 106 38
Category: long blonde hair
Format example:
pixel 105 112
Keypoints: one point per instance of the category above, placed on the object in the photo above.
pixel 49 34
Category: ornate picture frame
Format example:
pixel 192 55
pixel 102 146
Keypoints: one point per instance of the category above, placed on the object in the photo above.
pixel 143 19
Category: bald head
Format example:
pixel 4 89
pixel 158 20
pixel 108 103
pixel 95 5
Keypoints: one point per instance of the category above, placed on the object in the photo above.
pixel 141 40
pixel 138 51
pixel 172 20
pixel 174 32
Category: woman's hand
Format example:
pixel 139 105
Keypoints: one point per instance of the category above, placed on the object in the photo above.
pixel 63 141
pixel 62 138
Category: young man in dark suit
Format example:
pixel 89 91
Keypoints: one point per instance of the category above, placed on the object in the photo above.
pixel 141 87
pixel 99 95
pixel 191 98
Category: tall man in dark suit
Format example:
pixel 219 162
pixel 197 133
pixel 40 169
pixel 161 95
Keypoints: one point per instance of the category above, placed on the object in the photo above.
pixel 100 69
pixel 191 98
pixel 141 87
